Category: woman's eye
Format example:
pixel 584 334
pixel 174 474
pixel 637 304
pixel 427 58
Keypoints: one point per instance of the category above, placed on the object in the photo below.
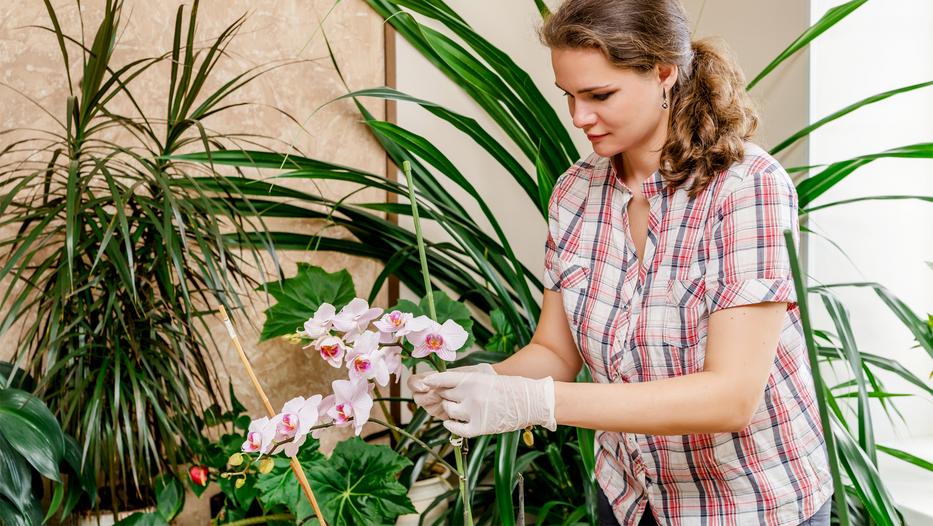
pixel 602 96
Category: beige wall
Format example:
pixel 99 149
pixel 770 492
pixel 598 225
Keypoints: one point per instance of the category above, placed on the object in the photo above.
pixel 274 31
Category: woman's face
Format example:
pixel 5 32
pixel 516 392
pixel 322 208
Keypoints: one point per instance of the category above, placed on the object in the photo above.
pixel 618 109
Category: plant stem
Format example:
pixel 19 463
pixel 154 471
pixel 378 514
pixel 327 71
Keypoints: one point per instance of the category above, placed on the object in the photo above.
pixel 842 508
pixel 440 365
pixel 416 440
pixel 385 410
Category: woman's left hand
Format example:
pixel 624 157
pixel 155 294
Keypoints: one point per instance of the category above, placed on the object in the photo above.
pixel 482 404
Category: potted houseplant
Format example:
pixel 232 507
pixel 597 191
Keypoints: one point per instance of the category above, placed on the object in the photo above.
pixel 114 257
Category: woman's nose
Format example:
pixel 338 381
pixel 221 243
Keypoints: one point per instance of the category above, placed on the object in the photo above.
pixel 583 117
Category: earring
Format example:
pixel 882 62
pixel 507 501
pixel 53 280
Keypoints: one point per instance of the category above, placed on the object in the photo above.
pixel 664 104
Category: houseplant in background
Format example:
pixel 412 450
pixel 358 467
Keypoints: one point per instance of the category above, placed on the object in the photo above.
pixel 113 262
pixel 482 270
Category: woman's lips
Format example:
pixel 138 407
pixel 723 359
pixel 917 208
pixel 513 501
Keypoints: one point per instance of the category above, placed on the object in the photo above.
pixel 596 137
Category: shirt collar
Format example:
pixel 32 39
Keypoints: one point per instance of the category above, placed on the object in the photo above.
pixel 650 187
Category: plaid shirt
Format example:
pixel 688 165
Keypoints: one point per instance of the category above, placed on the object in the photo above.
pixel 634 323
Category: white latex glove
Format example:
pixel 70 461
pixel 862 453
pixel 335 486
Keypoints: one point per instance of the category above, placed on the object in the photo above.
pixel 428 398
pixel 480 404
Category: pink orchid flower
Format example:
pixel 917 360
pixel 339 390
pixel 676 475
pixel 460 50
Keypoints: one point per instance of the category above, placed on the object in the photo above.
pixel 355 317
pixel 297 418
pixel 414 325
pixel 259 436
pixel 390 323
pixel 352 399
pixel 366 360
pixel 442 340
pixel 321 323
pixel 393 360
pixel 332 349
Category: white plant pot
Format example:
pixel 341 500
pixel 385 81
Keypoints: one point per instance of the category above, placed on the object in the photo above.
pixel 422 494
pixel 107 518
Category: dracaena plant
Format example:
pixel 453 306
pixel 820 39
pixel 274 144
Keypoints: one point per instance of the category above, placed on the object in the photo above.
pixel 481 269
pixel 112 257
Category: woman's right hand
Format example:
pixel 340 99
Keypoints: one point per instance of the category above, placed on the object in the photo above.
pixel 428 397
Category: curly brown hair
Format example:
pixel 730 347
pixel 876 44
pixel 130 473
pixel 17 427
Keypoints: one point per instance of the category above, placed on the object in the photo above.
pixel 711 113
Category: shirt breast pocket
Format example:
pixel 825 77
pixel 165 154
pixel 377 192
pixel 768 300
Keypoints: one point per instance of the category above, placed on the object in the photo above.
pixel 574 282
pixel 684 311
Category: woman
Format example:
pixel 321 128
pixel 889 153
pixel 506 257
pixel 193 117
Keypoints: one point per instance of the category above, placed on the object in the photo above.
pixel 668 275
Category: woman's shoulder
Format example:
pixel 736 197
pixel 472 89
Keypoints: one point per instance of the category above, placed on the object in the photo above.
pixel 583 169
pixel 577 179
pixel 756 168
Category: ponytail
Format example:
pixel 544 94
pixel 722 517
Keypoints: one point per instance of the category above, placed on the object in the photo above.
pixel 711 117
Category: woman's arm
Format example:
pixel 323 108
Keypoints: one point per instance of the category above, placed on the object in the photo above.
pixel 552 351
pixel 741 346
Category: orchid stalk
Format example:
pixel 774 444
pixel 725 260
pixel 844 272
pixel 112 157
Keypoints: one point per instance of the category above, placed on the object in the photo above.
pixel 295 465
pixel 456 441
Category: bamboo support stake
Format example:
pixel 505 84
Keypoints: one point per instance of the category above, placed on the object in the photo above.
pixel 296 466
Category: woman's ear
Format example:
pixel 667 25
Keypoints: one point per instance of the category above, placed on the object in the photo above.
pixel 667 75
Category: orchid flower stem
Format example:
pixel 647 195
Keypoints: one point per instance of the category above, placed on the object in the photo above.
pixel 416 440
pixel 385 410
pixel 439 364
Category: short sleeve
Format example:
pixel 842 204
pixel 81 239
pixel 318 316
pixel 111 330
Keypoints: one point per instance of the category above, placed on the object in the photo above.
pixel 551 268
pixel 748 261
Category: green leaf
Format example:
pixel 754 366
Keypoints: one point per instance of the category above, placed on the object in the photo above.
pixel 15 477
pixel 907 457
pixel 298 297
pixel 143 519
pixel 80 481
pixel 13 517
pixel 358 485
pixel 170 496
pixel 829 19
pixel 844 111
pixel 816 185
pixel 503 339
pixel 280 486
pixel 31 429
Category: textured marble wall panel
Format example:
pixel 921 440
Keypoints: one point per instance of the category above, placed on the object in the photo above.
pixel 289 33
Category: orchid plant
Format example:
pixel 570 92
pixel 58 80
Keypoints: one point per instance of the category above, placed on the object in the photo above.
pixel 369 344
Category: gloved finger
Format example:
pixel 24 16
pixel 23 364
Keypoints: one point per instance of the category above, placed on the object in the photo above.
pixel 453 394
pixel 447 379
pixel 416 383
pixel 431 396
pixel 460 429
pixel 455 411
pixel 436 410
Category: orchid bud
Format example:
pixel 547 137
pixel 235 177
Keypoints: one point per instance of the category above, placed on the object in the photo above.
pixel 235 459
pixel 266 465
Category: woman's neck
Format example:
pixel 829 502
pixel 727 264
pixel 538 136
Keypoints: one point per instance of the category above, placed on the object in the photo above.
pixel 636 165
pixel 639 162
